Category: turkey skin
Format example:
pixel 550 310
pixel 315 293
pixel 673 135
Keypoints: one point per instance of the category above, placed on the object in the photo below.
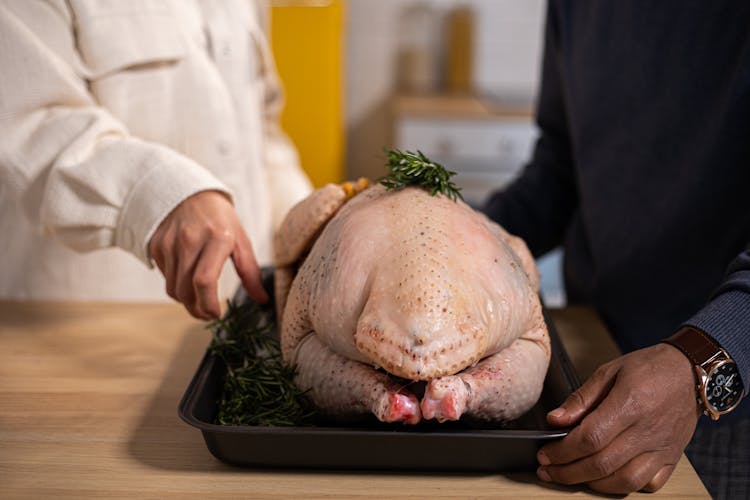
pixel 378 291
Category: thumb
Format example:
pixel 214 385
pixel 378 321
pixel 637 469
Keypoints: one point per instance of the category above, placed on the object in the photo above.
pixel 584 399
pixel 659 479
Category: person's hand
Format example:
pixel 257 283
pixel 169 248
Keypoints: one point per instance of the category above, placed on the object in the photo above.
pixel 191 245
pixel 635 416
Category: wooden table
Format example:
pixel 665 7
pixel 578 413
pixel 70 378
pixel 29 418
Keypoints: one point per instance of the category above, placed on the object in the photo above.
pixel 88 409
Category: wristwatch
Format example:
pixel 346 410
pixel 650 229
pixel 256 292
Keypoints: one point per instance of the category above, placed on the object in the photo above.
pixel 719 384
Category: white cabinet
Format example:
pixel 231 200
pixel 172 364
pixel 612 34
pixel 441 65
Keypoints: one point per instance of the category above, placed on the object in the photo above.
pixel 486 150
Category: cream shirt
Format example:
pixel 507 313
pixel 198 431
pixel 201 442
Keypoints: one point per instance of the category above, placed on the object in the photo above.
pixel 114 111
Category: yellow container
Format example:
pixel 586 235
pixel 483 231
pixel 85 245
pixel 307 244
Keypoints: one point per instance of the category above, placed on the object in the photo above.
pixel 307 42
pixel 459 51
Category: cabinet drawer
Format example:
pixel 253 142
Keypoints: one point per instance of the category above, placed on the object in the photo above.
pixel 508 140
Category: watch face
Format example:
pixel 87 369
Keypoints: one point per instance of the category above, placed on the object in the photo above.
pixel 724 387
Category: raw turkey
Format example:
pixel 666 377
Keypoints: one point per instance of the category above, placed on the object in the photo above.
pixel 382 291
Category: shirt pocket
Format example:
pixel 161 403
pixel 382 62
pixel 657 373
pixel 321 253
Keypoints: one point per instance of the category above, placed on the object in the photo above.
pixel 117 35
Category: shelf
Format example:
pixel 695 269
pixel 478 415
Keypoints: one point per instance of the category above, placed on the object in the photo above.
pixel 460 107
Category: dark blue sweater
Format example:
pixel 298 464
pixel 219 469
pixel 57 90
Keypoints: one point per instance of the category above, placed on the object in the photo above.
pixel 642 169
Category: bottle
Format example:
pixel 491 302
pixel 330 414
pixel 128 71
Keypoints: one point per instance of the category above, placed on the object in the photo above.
pixel 459 51
pixel 418 49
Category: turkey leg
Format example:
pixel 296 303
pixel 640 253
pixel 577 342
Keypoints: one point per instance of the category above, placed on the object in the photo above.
pixel 340 386
pixel 502 386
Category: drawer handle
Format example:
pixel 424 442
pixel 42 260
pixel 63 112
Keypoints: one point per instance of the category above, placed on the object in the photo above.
pixel 444 147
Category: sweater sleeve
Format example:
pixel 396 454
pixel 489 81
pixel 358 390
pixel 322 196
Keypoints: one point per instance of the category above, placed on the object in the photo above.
pixel 726 317
pixel 74 169
pixel 538 205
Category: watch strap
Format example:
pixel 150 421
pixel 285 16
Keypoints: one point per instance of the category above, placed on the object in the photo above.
pixel 697 345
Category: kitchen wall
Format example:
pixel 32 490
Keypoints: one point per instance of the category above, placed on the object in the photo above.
pixel 507 48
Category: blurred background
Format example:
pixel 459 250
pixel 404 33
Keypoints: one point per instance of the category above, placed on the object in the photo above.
pixel 456 79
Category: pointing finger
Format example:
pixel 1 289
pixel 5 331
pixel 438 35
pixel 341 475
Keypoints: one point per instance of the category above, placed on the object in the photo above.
pixel 611 416
pixel 248 270
pixel 633 476
pixel 660 479
pixel 206 275
pixel 599 464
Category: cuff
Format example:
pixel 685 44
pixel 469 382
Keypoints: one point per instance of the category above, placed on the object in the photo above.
pixel 727 319
pixel 170 179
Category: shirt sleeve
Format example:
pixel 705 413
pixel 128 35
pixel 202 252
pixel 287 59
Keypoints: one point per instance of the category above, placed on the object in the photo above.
pixel 538 205
pixel 75 170
pixel 726 317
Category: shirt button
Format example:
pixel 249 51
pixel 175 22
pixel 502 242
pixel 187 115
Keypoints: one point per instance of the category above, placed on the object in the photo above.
pixel 223 148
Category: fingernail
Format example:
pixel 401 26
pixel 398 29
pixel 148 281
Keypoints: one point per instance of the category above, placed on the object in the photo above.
pixel 542 474
pixel 556 413
pixel 542 458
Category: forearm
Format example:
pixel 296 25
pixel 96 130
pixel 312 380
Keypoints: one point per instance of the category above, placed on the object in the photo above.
pixel 84 181
pixel 76 171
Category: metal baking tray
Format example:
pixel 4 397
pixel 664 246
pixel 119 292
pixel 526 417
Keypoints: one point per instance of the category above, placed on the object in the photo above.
pixel 456 446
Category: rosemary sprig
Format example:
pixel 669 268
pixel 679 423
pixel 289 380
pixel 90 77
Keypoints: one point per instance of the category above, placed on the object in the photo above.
pixel 415 169
pixel 258 387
